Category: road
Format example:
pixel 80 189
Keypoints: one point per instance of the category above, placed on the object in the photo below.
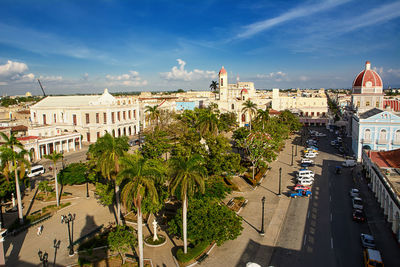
pixel 319 231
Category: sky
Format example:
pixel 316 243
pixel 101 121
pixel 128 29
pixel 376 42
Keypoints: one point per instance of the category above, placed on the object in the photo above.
pixel 82 46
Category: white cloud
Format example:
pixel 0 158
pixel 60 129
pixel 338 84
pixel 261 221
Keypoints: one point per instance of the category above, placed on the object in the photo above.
pixel 180 74
pixel 51 78
pixel 395 72
pixel 12 68
pixel 128 79
pixel 85 76
pixel 304 78
pixel 302 11
pixel 278 76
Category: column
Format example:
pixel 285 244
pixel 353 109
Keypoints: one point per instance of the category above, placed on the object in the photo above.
pixel 74 141
pixel 67 145
pixel 80 142
pixel 47 149
pixel 54 147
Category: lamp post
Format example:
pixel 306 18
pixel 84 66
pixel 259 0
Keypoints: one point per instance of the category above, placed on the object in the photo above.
pixel 69 219
pixel 280 180
pixel 87 188
pixel 56 246
pixel 292 155
pixel 296 151
pixel 43 257
pixel 262 218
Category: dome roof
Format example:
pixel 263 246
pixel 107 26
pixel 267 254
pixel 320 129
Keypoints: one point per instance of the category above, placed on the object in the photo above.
pixel 222 71
pixel 244 91
pixel 368 78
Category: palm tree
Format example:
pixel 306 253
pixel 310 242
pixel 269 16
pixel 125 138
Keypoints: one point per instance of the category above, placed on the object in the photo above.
pixel 263 116
pixel 214 86
pixel 188 174
pixel 13 143
pixel 139 178
pixel 6 157
pixel 106 153
pixel 208 122
pixel 154 113
pixel 54 157
pixel 249 107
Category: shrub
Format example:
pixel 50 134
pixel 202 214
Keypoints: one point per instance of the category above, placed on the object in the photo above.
pixel 74 173
pixel 192 253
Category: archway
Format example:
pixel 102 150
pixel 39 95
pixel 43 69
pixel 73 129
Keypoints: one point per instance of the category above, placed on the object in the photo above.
pixel 113 133
pixel 119 132
pixel 130 130
pixel 366 147
pixel 124 131
pixel 134 129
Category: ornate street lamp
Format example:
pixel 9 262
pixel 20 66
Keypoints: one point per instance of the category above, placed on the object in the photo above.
pixel 67 219
pixel 262 218
pixel 280 180
pixel 43 257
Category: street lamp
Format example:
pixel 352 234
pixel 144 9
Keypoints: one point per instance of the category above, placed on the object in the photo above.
pixel 69 219
pixel 280 180
pixel 292 155
pixel 296 150
pixel 43 257
pixel 87 188
pixel 56 246
pixel 262 218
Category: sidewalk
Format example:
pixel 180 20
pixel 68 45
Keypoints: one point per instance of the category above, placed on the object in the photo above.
pixel 251 246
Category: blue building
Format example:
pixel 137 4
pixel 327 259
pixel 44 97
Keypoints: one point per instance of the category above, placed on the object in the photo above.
pixel 189 105
pixel 375 129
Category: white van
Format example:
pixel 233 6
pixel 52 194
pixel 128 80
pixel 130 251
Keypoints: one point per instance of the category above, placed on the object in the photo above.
pixel 349 163
pixel 310 155
pixel 305 173
pixel 36 170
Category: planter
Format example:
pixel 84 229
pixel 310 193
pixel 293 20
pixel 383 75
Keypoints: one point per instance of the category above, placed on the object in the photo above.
pixel 148 241
pixel 236 204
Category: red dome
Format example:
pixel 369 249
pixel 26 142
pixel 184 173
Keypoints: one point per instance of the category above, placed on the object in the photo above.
pixel 367 75
pixel 244 90
pixel 222 71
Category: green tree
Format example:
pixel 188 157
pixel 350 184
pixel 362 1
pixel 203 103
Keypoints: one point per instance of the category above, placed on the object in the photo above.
pixel 45 187
pixel 121 240
pixel 106 153
pixel 227 121
pixel 263 116
pixel 138 177
pixel 54 157
pixel 250 108
pixel 208 122
pixel 156 145
pixel 188 174
pixel 153 113
pixel 214 86
pixel 74 173
pixel 208 221
pixel 14 144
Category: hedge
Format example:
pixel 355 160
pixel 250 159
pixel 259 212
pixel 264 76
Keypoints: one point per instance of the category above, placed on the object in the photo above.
pixel 192 253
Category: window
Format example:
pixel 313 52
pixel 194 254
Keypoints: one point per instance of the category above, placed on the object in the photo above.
pixel 74 119
pixel 367 134
pixel 113 117
pixel 129 113
pixel 397 136
pixel 88 136
pixel 243 117
pixel 119 115
pixel 377 104
pixel 233 106
pixel 124 115
pixel 358 104
pixel 97 118
pixel 87 118
pixel 323 114
pixel 134 114
pixel 55 118
pixel 222 82
pixel 367 104
pixel 307 114
pixel 318 114
pixel 98 135
pixel 312 114
pixel 44 118
pixel 382 135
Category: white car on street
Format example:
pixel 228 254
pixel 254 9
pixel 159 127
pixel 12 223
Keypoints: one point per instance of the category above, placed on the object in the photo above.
pixel 306 160
pixel 354 193
pixel 310 155
pixel 320 134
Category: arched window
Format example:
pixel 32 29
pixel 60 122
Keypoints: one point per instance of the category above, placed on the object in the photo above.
pixel 222 82
pixel 382 135
pixel 243 117
pixel 367 134
pixel 233 106
pixel 397 137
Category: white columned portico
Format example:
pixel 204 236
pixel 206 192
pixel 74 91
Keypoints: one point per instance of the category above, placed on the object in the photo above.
pixel 67 145
pixel 74 143
pixel 80 143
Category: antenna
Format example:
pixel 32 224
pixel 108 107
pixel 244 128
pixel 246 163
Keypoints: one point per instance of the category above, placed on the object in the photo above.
pixel 41 87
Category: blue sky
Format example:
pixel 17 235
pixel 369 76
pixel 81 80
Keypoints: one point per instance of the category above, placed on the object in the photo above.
pixel 85 46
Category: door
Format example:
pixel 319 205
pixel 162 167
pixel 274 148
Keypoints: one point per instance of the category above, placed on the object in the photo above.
pixel 74 119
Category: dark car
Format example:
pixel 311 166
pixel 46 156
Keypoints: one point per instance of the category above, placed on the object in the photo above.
pixel 358 215
pixel 305 165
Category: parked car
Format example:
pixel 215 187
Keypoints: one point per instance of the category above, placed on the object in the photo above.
pixel 367 241
pixel 305 182
pixel 305 165
pixel 301 193
pixel 349 163
pixel 357 203
pixel 308 150
pixel 339 139
pixel 306 160
pixel 358 215
pixel 310 155
pixel 334 142
pixel 354 193
pixel 372 258
pixel 305 173
pixel 36 170
pixel 298 186
pixel 321 134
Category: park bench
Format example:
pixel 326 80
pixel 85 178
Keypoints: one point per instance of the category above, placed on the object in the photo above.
pixel 202 258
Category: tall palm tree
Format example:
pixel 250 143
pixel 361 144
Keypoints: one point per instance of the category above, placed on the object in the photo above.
pixel 154 113
pixel 249 107
pixel 6 157
pixel 263 116
pixel 139 184
pixel 14 144
pixel 208 122
pixel 54 157
pixel 106 153
pixel 214 86
pixel 188 174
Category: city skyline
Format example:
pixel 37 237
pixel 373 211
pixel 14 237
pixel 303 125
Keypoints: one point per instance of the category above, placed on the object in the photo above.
pixel 81 47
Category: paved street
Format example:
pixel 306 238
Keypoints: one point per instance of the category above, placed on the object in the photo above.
pixel 320 232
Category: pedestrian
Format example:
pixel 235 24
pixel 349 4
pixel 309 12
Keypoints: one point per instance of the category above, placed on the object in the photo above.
pixel 39 230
